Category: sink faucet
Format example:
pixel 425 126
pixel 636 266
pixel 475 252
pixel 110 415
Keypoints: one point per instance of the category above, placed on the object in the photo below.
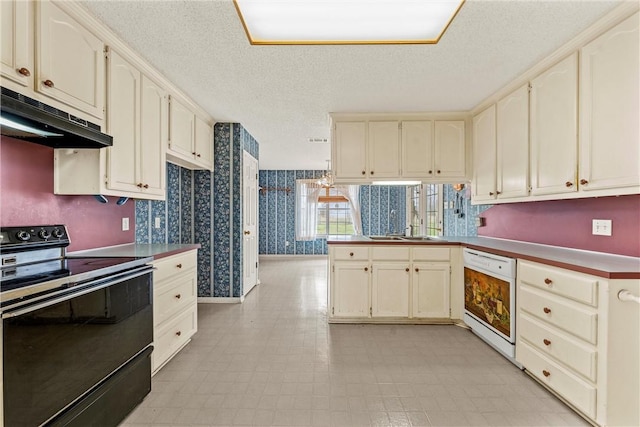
pixel 392 221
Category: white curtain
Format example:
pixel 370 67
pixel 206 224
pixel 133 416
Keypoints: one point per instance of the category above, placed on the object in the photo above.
pixel 307 193
pixel 352 193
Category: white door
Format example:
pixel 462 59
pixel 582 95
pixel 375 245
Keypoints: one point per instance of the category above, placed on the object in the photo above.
pixel 484 155
pixel 350 152
pixel 350 289
pixel 417 149
pixel 431 290
pixel 390 289
pixel 17 42
pixel 449 152
pixel 250 221
pixel 513 144
pixel 384 149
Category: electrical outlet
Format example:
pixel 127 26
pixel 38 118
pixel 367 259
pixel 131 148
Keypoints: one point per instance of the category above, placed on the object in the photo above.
pixel 157 222
pixel 601 227
pixel 286 243
pixel 125 224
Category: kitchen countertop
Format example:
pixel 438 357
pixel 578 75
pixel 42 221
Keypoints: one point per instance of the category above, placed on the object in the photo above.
pixel 156 251
pixel 595 263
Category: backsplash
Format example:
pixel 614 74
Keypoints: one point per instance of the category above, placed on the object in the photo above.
pixel 277 212
pixel 464 222
pixel 568 223
pixel 26 198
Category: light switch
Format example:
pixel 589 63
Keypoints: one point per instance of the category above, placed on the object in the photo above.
pixel 157 222
pixel 125 224
pixel 601 227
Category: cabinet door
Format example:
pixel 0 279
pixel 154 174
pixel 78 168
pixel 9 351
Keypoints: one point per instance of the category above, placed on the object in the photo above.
pixel 449 152
pixel 609 149
pixel 70 61
pixel 16 49
pixel 417 149
pixel 384 149
pixel 513 144
pixel 350 289
pixel 484 155
pixel 153 137
pixel 431 290
pixel 350 154
pixel 554 143
pixel 390 289
pixel 181 129
pixel 204 143
pixel 123 124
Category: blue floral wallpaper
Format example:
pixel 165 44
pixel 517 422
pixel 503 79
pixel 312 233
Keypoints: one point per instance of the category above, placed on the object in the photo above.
pixel 456 224
pixel 205 207
pixel 277 212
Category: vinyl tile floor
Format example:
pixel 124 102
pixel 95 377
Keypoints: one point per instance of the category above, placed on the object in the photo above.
pixel 275 361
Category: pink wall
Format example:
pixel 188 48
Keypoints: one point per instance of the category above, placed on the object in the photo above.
pixel 567 223
pixel 26 198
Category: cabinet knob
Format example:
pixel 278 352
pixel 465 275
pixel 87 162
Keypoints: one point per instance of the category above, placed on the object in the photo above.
pixel 548 281
pixel 179 265
pixel 145 186
pixel 498 192
pixel 48 83
pixel 568 184
pixel 364 173
pixel 546 310
pixel 438 171
pixel 178 296
pixel 406 269
pixel 247 232
pixel 178 333
pixel 430 172
pixel 417 270
pixel 139 185
pixel 372 172
pixel 491 193
pixel 193 153
pixel 198 155
pixel 350 253
pixel 366 269
pixel 583 182
pixel 546 342
pixel 24 71
pixel 546 373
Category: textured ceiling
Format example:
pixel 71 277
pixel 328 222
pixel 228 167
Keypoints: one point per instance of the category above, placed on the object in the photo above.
pixel 282 94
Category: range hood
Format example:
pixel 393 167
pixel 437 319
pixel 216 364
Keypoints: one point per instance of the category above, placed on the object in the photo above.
pixel 25 118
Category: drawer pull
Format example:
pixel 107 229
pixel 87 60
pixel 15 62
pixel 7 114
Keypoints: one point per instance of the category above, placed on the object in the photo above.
pixel 366 269
pixel 178 296
pixel 546 310
pixel 178 333
pixel 548 281
pixel 48 83
pixel 350 253
pixel 179 265
pixel 546 342
pixel 24 71
pixel 546 373
pixel 406 269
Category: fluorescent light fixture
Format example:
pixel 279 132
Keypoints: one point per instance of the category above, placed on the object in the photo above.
pixel 25 130
pixel 396 182
pixel 292 22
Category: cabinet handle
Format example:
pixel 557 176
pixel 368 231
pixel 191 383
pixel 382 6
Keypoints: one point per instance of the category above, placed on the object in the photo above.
pixel 179 265
pixel 548 281
pixel 350 253
pixel 364 173
pixel 24 71
pixel 366 269
pixel 417 270
pixel 546 342
pixel 48 83
pixel 546 373
pixel 406 269
pixel 583 182
pixel 178 333
pixel 145 186
pixel 568 184
pixel 178 296
pixel 546 310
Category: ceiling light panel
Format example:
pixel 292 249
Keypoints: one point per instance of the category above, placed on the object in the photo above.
pixel 346 21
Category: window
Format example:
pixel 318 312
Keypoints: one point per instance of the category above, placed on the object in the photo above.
pixel 334 214
pixel 424 209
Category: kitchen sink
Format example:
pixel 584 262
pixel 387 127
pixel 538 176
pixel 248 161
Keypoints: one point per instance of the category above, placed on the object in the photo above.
pixel 386 238
pixel 418 238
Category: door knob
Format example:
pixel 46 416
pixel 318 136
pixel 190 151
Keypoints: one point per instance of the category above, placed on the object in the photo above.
pixel 247 232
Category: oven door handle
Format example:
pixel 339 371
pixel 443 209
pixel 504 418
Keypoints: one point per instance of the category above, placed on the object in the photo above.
pixel 88 287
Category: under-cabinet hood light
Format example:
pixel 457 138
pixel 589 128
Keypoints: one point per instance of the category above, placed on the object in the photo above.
pixel 294 22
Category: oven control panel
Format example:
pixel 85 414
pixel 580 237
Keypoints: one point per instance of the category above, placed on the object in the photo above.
pixel 33 237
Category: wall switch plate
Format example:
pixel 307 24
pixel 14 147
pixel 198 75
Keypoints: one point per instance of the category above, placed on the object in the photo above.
pixel 601 227
pixel 156 223
pixel 125 224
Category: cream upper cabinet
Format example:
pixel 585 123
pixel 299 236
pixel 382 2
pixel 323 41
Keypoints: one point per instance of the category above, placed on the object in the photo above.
pixel 350 150
pixel 554 121
pixel 431 290
pixel 417 148
pixel 484 155
pixel 512 144
pixel 384 149
pixel 190 137
pixel 449 155
pixel 70 61
pixel 390 284
pixel 16 49
pixel 609 132
pixel 154 131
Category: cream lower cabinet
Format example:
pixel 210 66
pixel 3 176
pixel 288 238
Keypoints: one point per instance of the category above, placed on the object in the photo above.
pixel 567 325
pixel 397 283
pixel 175 315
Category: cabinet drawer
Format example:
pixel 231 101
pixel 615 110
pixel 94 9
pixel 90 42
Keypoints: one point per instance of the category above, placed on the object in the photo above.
pixel 354 253
pixel 579 287
pixel 178 294
pixel 576 391
pixel 431 254
pixel 391 254
pixel 176 264
pixel 550 341
pixel 172 336
pixel 580 321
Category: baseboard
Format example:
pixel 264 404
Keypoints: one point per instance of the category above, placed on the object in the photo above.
pixel 268 257
pixel 220 300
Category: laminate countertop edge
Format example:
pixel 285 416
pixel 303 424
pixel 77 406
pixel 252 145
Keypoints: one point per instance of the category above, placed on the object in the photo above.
pixel 155 250
pixel 609 266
